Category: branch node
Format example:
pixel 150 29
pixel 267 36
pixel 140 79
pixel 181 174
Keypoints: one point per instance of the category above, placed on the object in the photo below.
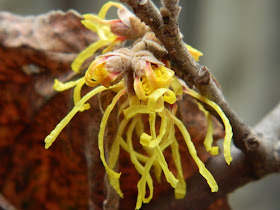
pixel 165 13
pixel 252 144
pixel 203 76
pixel 166 19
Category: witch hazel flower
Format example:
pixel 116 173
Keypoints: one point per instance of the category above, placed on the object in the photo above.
pixel 156 90
pixel 146 91
pixel 110 32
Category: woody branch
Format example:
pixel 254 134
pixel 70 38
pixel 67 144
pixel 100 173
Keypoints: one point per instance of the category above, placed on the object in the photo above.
pixel 230 178
pixel 164 23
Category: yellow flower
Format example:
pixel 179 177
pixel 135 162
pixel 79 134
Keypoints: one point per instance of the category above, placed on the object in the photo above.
pixel 112 32
pixel 155 92
pixel 98 75
pixel 154 78
pixel 155 96
pixel 98 24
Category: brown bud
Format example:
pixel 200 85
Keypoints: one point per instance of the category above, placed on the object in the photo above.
pixel 125 15
pixel 140 60
pixel 138 28
pixel 118 61
pixel 151 37
pixel 129 26
pixel 148 56
pixel 151 43
pixel 120 29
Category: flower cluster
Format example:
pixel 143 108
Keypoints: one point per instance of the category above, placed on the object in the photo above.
pixel 148 89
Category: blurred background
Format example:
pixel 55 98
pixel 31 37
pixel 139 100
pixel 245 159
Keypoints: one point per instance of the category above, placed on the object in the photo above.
pixel 240 42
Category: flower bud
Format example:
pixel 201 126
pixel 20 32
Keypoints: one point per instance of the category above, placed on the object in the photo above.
pixel 118 61
pixel 129 26
pixel 140 59
pixel 97 74
pixel 109 68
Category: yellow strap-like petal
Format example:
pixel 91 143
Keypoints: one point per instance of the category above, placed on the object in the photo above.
pixel 122 107
pixel 60 86
pixel 141 185
pixel 176 86
pixel 139 156
pixel 168 95
pixel 153 140
pixel 53 135
pixel 124 145
pixel 194 52
pixel 152 122
pixel 77 94
pixel 228 129
pixel 101 134
pixel 208 141
pixel 103 11
pixel 168 174
pixel 88 52
pixel 139 167
pixel 139 129
pixel 202 169
pixel 102 28
pixel 180 190
pixel 113 43
pixel 89 22
pixel 132 111
pixel 113 157
pixel 146 179
pixel 114 153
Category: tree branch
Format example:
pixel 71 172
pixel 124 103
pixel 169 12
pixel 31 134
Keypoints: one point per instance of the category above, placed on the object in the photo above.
pixel 269 126
pixel 229 178
pixel 165 27
pixel 193 73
